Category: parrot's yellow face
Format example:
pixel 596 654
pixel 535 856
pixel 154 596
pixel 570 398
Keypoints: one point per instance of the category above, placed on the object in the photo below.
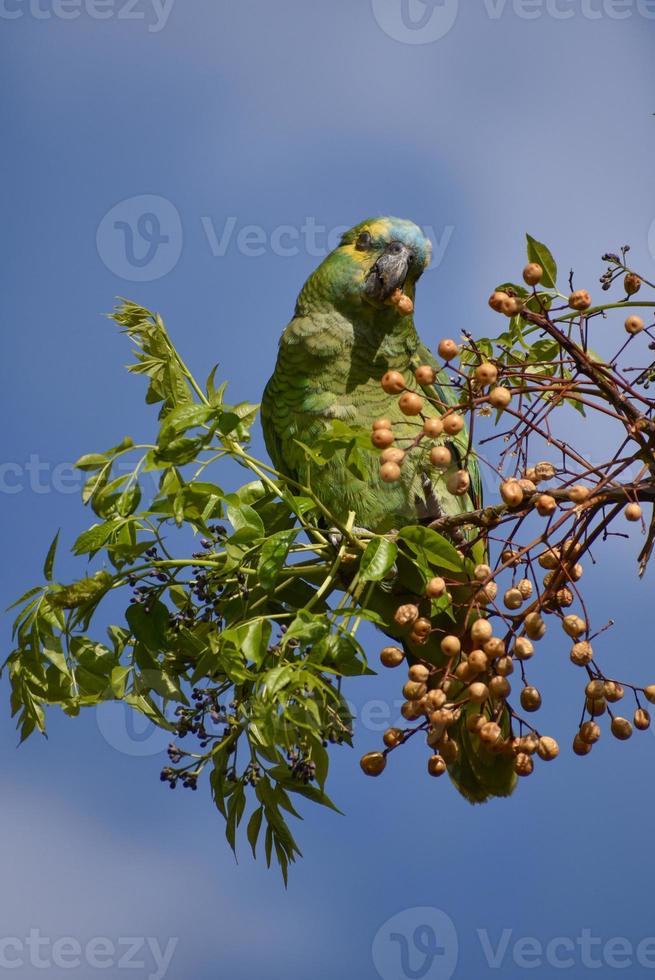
pixel 376 265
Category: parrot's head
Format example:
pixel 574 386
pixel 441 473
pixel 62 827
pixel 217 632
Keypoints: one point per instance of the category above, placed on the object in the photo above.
pixel 373 261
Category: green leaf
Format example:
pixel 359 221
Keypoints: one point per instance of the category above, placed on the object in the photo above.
pixel 378 559
pixel 538 252
pixel 91 461
pixel 50 558
pixel 433 547
pixel 254 826
pixel 97 535
pixel 273 556
pixel 149 627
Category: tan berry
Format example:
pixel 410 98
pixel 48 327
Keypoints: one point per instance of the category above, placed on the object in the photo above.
pixel 530 699
pixel 410 403
pixel 494 647
pixel 513 599
pixel 414 691
pixel 391 656
pixel 511 305
pixel 447 349
pixel 545 504
pixel 486 373
pixel 573 625
pixel 419 673
pixel 589 732
pixel 435 587
pixel 373 763
pixel 595 688
pixel 649 693
pixel 524 586
pixel 453 423
pixel 422 626
pixel 475 722
pixel 580 300
pixel 392 737
pixel 510 491
pixel 504 666
pixel 440 457
pixel 389 472
pixel 404 304
pixel 633 324
pixel 481 572
pixel 523 764
pixel 436 765
pixel 497 299
pixel 523 648
pixel 392 455
pixel 450 645
pixel 406 614
pixel 631 283
pixel 621 728
pixel 481 631
pixel 613 691
pixel 547 748
pixel 490 732
pixel 458 483
pixel 381 438
pixel 580 747
pixel 527 486
pixel 534 626
pixel 449 751
pixel 433 427
pixel 500 397
pixel 425 375
pixel 641 719
pixel 393 382
pixel 549 558
pixel 411 710
pixel 596 706
pixel 532 273
pixel 382 424
pixel 477 660
pixel 578 493
pixel 499 687
pixel 418 638
pixel 632 512
pixel 581 653
pixel 564 597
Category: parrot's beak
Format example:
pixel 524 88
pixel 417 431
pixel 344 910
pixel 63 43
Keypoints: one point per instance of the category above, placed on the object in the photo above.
pixel 389 272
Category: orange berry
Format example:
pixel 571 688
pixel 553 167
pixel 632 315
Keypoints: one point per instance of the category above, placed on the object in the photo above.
pixel 433 427
pixel 390 472
pixel 500 397
pixel 392 455
pixel 511 492
pixel 458 483
pixel 391 656
pixel 381 438
pixel 486 373
pixel 410 403
pixel 393 382
pixel 580 300
pixel 532 273
pixel 425 375
pixel 511 305
pixel 631 283
pixel 382 424
pixel 373 763
pixel 440 457
pixel 453 423
pixel 545 505
pixel 447 349
pixel 496 300
pixel 633 324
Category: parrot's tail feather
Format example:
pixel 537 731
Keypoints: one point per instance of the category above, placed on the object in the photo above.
pixel 479 773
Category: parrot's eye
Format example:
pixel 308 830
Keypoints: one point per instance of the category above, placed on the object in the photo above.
pixel 363 242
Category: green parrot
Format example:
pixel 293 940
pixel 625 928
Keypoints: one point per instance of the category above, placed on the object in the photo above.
pixel 344 336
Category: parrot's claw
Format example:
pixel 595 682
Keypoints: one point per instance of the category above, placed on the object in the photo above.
pixel 336 537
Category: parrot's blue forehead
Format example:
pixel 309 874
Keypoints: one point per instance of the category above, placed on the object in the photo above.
pixel 385 230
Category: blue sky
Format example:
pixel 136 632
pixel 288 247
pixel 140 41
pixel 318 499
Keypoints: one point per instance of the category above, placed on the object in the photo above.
pixel 253 130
